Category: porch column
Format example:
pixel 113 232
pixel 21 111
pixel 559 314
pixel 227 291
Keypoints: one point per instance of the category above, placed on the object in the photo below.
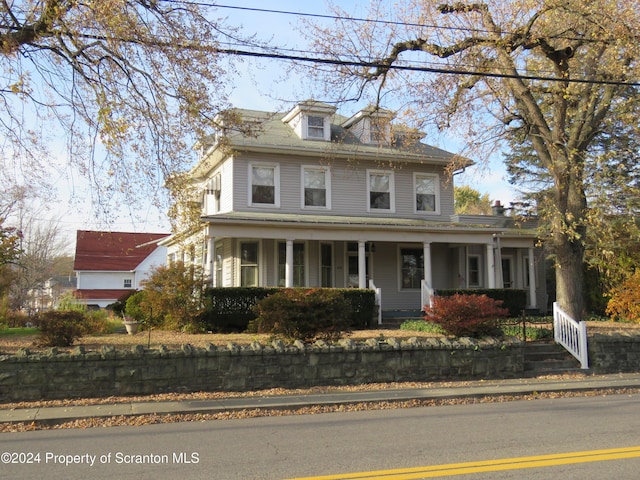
pixel 533 294
pixel 491 266
pixel 428 275
pixel 288 267
pixel 362 265
pixel 210 255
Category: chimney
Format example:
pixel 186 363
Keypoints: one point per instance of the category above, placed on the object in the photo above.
pixel 497 209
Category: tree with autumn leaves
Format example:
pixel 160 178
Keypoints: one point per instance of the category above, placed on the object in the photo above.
pixel 124 88
pixel 561 74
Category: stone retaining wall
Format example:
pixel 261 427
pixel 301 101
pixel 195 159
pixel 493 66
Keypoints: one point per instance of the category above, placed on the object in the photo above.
pixel 616 353
pixel 55 375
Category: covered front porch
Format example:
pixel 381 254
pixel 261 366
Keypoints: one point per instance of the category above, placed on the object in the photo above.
pixel 405 261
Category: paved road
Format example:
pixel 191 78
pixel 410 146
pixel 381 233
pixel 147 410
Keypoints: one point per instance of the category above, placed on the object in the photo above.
pixel 347 443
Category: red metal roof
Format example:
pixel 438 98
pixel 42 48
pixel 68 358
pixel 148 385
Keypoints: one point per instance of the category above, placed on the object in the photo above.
pixel 113 251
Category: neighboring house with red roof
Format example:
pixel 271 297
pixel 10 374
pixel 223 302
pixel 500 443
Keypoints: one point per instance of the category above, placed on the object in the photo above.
pixel 110 264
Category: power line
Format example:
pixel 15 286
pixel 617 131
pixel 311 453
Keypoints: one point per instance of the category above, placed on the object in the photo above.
pixel 413 68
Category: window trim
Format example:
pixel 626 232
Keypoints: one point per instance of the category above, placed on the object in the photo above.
pixel 327 187
pixel 308 127
pixel 419 249
pixel 480 271
pixel 392 190
pixel 276 181
pixel 436 178
pixel 239 265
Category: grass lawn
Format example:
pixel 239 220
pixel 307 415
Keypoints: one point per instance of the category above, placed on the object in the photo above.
pixel 12 339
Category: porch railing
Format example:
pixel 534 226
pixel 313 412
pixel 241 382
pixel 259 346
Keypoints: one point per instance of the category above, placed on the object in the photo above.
pixel 571 334
pixel 427 293
pixel 378 293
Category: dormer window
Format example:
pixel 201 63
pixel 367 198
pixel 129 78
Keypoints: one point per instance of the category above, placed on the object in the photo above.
pixel 315 126
pixel 371 125
pixel 311 120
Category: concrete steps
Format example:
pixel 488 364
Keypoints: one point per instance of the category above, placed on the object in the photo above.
pixel 549 358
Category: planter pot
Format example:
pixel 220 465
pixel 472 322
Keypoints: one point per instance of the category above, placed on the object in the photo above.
pixel 132 327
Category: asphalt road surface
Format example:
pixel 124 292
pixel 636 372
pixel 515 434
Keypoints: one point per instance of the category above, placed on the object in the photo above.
pixel 570 438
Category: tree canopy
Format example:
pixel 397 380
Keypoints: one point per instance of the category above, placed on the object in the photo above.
pixel 119 88
pixel 558 73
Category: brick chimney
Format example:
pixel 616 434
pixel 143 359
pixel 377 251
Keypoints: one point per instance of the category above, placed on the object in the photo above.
pixel 497 209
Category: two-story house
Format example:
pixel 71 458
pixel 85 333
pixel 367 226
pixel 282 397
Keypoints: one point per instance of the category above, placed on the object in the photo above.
pixel 111 264
pixel 321 200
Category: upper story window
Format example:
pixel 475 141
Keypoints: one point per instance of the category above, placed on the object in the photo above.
pixel 316 183
pixel 380 190
pixel 311 120
pixel 127 283
pixel 315 126
pixel 426 193
pixel 379 131
pixel 265 185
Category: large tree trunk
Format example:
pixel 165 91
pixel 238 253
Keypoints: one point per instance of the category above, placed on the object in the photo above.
pixel 568 236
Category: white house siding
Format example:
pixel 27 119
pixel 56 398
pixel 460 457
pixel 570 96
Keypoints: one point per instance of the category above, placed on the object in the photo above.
pixel 157 258
pixel 348 187
pixel 103 280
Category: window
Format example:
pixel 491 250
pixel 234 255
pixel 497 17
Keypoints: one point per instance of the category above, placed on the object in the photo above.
pixel 264 185
pixel 315 126
pixel 249 264
pixel 380 190
pixel 298 264
pixel 326 265
pixel 474 271
pixel 412 264
pixel 507 281
pixel 426 187
pixel 127 283
pixel 378 131
pixel 316 185
pixel 219 256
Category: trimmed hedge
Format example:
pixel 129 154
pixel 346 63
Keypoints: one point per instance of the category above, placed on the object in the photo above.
pixel 513 300
pixel 232 308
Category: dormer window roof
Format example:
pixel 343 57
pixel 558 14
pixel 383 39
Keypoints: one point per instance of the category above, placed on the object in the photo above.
pixel 371 125
pixel 311 120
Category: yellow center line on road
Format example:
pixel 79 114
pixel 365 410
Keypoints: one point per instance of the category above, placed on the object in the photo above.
pixel 487 465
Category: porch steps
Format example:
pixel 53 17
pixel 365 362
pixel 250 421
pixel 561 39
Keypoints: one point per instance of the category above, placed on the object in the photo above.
pixel 394 318
pixel 549 358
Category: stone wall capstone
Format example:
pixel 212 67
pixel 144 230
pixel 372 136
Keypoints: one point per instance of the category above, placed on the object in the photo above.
pixel 28 376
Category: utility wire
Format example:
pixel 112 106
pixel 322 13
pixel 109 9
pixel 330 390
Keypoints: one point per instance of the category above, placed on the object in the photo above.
pixel 413 68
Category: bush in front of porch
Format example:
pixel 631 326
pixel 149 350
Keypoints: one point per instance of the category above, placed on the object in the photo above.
pixel 512 299
pixel 304 314
pixel 466 315
pixel 233 308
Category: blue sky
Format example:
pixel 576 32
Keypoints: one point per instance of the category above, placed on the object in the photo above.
pixel 260 85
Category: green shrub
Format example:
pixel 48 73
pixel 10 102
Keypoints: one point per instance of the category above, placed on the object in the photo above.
pixel 136 307
pixel 119 306
pixel 304 314
pixel 60 328
pixel 466 315
pixel 512 299
pixel 233 308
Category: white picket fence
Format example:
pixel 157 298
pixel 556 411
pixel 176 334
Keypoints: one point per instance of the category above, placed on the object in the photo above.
pixel 571 334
